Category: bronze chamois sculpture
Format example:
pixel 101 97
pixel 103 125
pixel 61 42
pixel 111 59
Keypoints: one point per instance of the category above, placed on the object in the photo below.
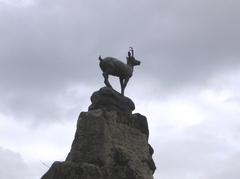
pixel 115 67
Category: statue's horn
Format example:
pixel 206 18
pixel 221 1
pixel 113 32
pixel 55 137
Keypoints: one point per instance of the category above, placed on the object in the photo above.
pixel 131 49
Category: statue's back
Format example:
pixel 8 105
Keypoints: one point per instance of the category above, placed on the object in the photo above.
pixel 115 67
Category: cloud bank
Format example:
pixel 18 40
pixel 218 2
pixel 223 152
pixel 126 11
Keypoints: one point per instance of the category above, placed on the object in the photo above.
pixel 190 67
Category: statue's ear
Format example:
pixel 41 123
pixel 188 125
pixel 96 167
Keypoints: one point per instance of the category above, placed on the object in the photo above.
pixel 129 54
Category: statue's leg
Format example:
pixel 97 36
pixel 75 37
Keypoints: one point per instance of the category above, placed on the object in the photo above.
pixel 122 85
pixel 125 84
pixel 105 75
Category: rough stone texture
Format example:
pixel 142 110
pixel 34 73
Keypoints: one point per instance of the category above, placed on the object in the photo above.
pixel 110 143
pixel 109 99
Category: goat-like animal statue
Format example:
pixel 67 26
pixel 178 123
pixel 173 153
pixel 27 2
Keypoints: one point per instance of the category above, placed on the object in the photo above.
pixel 115 67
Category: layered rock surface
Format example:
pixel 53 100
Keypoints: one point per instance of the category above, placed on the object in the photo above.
pixel 110 142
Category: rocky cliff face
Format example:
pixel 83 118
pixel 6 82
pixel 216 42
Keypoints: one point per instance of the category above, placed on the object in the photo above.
pixel 110 142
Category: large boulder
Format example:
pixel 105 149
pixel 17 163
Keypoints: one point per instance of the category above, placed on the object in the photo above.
pixel 109 99
pixel 110 143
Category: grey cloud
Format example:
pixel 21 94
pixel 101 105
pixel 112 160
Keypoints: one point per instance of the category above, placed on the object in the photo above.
pixel 178 42
pixel 45 106
pixel 233 99
pixel 229 168
pixel 12 166
pixel 187 38
pixel 208 150
pixel 50 46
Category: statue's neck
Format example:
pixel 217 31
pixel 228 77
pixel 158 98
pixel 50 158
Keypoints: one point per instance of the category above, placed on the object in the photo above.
pixel 130 64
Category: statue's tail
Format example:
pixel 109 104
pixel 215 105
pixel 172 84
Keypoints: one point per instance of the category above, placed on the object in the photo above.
pixel 100 58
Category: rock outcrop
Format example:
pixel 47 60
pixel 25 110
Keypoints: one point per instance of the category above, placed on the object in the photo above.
pixel 110 142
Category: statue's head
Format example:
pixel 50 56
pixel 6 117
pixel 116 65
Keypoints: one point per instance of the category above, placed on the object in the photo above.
pixel 131 59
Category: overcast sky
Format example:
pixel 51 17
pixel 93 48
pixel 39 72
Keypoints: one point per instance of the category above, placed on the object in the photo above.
pixel 187 85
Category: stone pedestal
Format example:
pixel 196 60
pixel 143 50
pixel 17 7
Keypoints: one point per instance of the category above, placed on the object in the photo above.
pixel 110 142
